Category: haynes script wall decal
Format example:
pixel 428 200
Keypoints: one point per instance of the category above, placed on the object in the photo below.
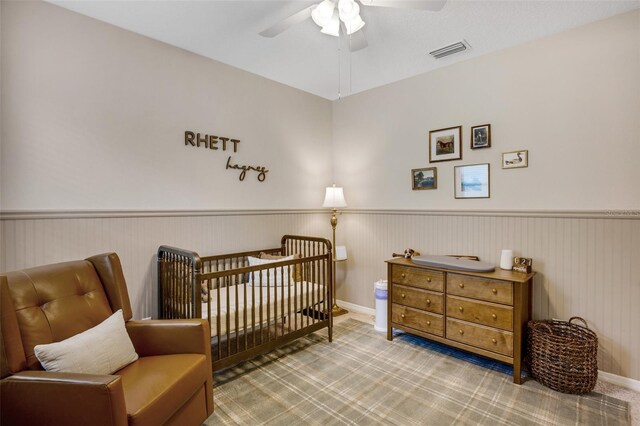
pixel 215 143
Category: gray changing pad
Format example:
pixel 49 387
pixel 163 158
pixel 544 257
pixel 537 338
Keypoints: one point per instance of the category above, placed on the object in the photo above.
pixel 448 262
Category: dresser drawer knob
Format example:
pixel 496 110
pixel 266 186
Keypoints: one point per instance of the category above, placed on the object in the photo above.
pixel 494 291
pixel 428 279
pixel 494 341
pixel 461 331
pixel 403 295
pixel 402 315
pixel 494 316
pixel 461 285
pixel 428 322
pixel 404 275
pixel 461 308
pixel 428 301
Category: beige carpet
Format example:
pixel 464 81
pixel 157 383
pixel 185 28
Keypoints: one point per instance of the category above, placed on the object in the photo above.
pixel 362 379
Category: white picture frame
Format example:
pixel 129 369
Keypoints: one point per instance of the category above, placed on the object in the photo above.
pixel 472 181
pixel 445 144
pixel 515 159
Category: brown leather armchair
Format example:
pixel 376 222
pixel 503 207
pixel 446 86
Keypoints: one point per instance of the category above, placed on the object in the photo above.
pixel 171 383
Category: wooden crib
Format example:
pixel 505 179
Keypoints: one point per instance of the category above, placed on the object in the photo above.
pixel 251 309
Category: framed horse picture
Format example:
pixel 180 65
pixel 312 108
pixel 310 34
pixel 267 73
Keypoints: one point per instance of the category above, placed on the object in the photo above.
pixel 445 145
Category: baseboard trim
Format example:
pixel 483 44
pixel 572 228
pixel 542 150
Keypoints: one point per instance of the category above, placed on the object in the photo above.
pixel 621 381
pixel 357 309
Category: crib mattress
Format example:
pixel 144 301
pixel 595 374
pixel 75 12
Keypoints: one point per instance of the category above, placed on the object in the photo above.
pixel 295 297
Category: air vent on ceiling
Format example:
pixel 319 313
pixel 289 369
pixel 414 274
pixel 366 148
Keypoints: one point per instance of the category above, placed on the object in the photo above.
pixel 450 49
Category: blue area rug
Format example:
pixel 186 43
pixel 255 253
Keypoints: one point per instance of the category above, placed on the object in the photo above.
pixel 456 353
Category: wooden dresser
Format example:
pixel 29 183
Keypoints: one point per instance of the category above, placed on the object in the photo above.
pixel 481 312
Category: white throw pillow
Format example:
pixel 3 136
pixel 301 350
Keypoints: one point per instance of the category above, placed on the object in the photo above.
pixel 275 274
pixel 103 349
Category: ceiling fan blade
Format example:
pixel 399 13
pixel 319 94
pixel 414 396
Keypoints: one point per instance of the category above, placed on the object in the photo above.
pixel 358 41
pixel 287 23
pixel 431 5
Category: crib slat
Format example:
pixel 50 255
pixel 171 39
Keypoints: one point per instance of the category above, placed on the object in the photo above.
pixel 218 320
pixel 237 314
pixel 268 306
pixel 260 307
pixel 244 311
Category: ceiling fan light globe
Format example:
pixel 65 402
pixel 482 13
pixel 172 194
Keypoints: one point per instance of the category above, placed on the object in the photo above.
pixel 354 25
pixel 323 12
pixel 332 27
pixel 348 10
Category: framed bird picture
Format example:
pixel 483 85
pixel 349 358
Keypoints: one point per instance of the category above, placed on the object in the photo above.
pixel 515 159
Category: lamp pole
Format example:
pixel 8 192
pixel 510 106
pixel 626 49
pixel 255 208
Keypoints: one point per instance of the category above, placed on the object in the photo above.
pixel 335 309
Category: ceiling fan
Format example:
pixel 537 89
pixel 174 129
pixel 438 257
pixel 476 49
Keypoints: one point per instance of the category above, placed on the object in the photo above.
pixel 335 16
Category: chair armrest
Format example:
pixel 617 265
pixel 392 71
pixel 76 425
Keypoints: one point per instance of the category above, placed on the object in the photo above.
pixel 42 397
pixel 165 337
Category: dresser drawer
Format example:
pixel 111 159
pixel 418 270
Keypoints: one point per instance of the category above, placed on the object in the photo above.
pixel 486 313
pixel 419 320
pixel 428 280
pixel 480 288
pixel 418 298
pixel 480 336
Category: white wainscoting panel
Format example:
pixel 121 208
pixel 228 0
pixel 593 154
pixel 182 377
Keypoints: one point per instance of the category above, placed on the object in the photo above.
pixel 33 242
pixel 587 267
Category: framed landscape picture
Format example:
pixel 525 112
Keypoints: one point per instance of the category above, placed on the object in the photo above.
pixel 471 181
pixel 515 159
pixel 426 178
pixel 481 136
pixel 444 144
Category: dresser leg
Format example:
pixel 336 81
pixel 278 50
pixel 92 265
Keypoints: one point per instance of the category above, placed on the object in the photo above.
pixel 517 377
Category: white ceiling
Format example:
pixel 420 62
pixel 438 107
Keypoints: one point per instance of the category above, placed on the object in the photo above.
pixel 302 57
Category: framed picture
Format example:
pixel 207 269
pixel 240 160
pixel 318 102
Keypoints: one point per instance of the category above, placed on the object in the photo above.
pixel 444 144
pixel 471 181
pixel 515 159
pixel 424 178
pixel 481 136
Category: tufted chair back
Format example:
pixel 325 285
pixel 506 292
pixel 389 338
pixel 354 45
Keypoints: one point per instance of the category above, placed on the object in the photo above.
pixel 54 302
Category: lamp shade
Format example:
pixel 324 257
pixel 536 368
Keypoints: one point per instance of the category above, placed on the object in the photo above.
pixel 334 198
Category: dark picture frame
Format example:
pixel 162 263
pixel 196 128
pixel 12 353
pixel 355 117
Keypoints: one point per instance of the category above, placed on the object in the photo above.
pixel 481 136
pixel 472 181
pixel 425 178
pixel 445 144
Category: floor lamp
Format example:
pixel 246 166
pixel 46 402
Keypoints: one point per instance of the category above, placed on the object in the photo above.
pixel 334 199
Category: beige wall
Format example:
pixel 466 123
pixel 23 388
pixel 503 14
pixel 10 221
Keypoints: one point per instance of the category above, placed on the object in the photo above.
pixel 572 100
pixel 94 118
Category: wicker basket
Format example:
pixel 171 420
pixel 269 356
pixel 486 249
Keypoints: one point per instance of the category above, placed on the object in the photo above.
pixel 563 356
